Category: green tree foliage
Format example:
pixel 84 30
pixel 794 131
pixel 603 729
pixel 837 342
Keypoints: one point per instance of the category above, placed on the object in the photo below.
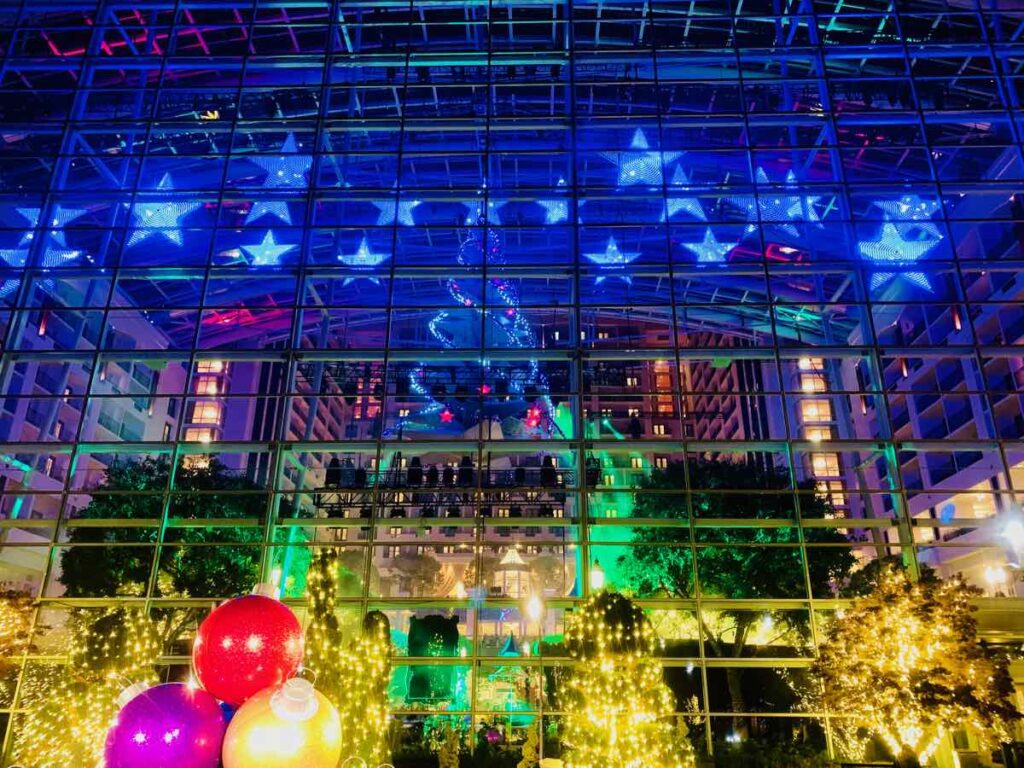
pixel 744 562
pixel 135 490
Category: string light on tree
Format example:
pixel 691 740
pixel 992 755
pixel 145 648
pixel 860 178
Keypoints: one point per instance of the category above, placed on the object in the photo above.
pixel 68 725
pixel 618 711
pixel 353 675
pixel 904 662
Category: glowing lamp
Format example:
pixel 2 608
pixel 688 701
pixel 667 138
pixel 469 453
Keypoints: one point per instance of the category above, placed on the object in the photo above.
pixel 290 726
pixel 167 726
pixel 245 645
pixel 597 577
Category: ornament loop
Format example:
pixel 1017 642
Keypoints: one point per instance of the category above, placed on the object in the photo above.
pixel 295 700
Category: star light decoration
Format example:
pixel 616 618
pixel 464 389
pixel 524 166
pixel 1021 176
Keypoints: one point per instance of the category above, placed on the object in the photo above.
pixel 674 204
pixel 613 258
pixel 907 235
pixel 55 248
pixel 780 208
pixel 396 211
pixel 160 217
pixel 285 171
pixel 709 250
pixel 556 210
pixel 892 250
pixel 268 252
pixel 640 165
pixel 364 259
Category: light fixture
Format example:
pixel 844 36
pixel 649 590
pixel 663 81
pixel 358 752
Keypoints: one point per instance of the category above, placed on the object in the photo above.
pixel 597 576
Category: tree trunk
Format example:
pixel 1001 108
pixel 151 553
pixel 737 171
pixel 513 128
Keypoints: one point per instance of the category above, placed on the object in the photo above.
pixel 907 760
pixel 734 675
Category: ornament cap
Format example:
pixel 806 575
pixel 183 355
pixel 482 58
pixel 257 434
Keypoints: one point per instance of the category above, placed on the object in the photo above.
pixel 295 700
pixel 130 692
pixel 265 589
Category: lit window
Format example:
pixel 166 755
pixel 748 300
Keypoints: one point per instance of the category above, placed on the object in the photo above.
pixel 210 366
pixel 207 385
pixel 636 462
pixel 204 435
pixel 206 412
pixel 659 429
pixel 816 410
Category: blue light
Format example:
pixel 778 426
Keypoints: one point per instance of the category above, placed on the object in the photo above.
pixel 267 253
pixel 690 205
pixel 389 208
pixel 363 259
pixel 55 247
pixel 275 208
pixel 894 252
pixel 777 209
pixel 287 170
pixel 640 166
pixel 160 217
pixel 556 210
pixel 709 250
pixel 612 259
pixel 475 211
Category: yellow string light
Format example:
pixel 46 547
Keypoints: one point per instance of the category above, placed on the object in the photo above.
pixel 73 707
pixel 353 674
pixel 618 711
pixel 904 664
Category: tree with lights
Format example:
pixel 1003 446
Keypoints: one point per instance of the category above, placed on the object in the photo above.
pixel 619 713
pixel 904 662
pixel 744 565
pixel 353 675
pixel 67 722
pixel 516 397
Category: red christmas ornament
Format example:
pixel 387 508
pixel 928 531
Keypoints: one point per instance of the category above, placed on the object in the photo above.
pixel 245 645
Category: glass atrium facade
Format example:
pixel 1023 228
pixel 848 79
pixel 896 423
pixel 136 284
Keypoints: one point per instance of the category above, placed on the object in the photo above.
pixel 715 301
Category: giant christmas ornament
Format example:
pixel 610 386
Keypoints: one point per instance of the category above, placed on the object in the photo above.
pixel 245 645
pixel 291 726
pixel 167 726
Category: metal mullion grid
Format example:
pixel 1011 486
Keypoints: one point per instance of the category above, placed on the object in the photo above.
pixel 956 266
pixel 193 356
pixel 786 395
pixel 275 470
pixel 377 515
pixel 777 362
pixel 22 303
pixel 475 671
pixel 678 399
pixel 1006 94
